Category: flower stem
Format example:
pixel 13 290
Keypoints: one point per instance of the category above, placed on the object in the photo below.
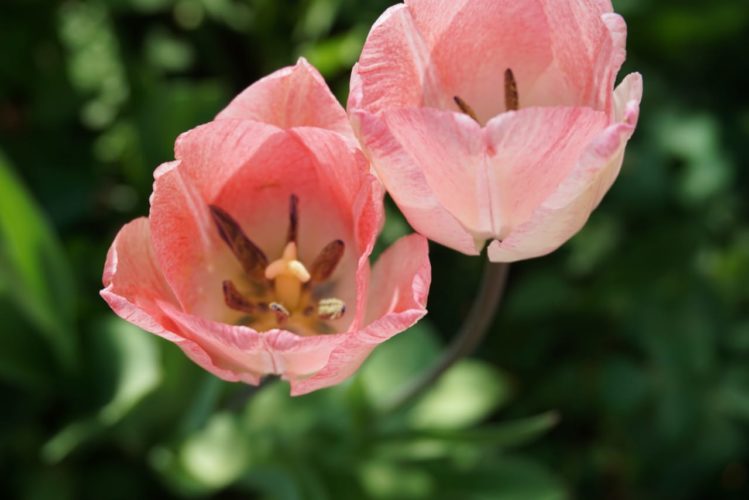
pixel 468 338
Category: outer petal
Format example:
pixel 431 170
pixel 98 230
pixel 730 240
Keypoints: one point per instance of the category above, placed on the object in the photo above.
pixel 426 52
pixel 529 153
pixel 135 288
pixel 244 354
pixel 400 144
pixel 295 96
pixel 568 208
pixel 397 300
pixel 588 46
pixel 395 69
pixel 487 180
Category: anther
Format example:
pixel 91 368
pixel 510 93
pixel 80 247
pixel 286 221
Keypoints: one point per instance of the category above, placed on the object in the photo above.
pixel 512 99
pixel 282 314
pixel 293 218
pixel 252 259
pixel 331 309
pixel 325 263
pixel 236 300
pixel 466 108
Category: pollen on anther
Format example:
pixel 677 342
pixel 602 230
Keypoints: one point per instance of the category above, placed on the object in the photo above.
pixel 282 314
pixel 331 309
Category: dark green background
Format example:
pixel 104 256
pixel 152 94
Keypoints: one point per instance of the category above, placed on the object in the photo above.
pixel 618 367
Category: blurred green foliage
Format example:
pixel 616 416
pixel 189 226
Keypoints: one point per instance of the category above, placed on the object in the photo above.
pixel 618 368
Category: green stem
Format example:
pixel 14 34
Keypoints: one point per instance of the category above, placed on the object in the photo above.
pixel 469 336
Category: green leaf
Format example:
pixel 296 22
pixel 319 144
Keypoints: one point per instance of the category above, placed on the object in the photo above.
pixel 465 395
pixel 212 457
pixel 502 435
pixel 498 479
pixel 217 455
pixel 139 368
pixel 34 272
pixel 25 359
pixel 396 362
pixel 133 357
pixel 203 404
pixel 274 481
pixel 485 479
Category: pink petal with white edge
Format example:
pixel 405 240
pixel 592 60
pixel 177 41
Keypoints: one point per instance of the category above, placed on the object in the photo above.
pixel 565 212
pixel 135 289
pixel 245 354
pixel 425 52
pixel 397 299
pixel 448 151
pixel 588 50
pixel 295 96
pixel 402 172
pixel 395 69
pixel 529 154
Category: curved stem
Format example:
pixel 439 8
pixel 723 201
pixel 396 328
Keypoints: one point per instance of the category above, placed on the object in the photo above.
pixel 469 336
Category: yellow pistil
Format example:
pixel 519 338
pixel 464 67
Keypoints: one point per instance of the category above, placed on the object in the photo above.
pixel 288 275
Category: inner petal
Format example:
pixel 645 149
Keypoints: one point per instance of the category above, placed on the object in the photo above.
pixel 471 52
pixel 562 53
pixel 259 197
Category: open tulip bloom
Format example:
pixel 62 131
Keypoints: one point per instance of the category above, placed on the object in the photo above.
pixel 486 120
pixel 254 259
pixel 496 120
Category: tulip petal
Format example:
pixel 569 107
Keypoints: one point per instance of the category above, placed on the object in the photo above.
pixel 241 353
pixel 426 52
pixel 567 209
pixel 587 43
pixel 243 350
pixel 295 96
pixel 135 289
pixel 395 69
pixel 530 152
pixel 418 155
pixel 397 299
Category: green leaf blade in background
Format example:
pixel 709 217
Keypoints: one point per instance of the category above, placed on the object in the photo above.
pixel 132 360
pixel 34 271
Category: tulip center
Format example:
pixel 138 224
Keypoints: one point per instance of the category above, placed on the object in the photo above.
pixel 282 293
pixel 512 98
pixel 288 275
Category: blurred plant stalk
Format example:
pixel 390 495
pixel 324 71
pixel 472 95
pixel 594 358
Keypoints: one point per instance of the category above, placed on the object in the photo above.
pixel 469 336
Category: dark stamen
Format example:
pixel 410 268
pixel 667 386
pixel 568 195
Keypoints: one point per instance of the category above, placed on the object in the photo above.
pixel 465 108
pixel 253 259
pixel 331 309
pixel 293 218
pixel 282 314
pixel 325 263
pixel 236 300
pixel 512 99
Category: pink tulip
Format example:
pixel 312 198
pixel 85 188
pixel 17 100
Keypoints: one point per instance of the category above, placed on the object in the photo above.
pixel 254 259
pixel 496 120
